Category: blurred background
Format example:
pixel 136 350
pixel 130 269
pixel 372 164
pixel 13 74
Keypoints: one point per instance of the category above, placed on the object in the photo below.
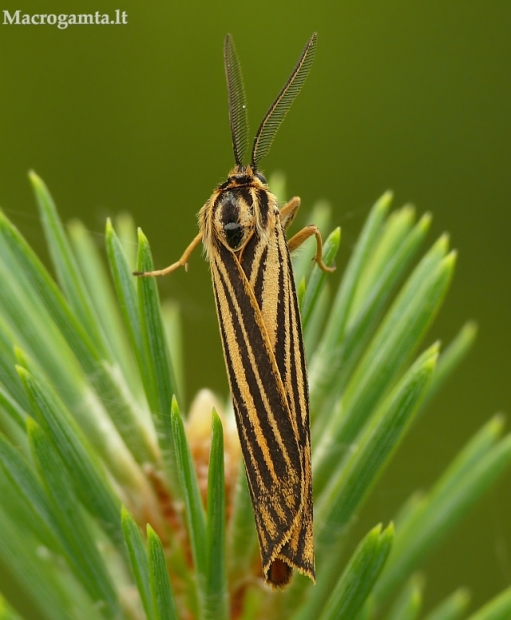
pixel 415 97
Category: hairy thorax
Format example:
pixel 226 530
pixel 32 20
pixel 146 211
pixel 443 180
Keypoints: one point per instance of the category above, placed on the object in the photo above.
pixel 238 209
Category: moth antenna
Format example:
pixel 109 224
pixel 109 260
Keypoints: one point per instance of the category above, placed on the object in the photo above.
pixel 237 101
pixel 279 108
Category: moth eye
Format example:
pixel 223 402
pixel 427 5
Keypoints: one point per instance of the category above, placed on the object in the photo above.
pixel 261 177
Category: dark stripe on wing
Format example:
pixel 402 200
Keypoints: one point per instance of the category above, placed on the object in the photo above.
pixel 263 206
pixel 282 318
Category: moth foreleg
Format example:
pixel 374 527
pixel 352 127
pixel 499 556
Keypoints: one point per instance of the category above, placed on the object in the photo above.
pixel 297 240
pixel 288 212
pixel 182 262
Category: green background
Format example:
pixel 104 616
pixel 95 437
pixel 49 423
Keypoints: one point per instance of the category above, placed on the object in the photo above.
pixel 412 96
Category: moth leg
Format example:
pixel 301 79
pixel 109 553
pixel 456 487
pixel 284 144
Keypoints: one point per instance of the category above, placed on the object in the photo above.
pixel 182 262
pixel 288 212
pixel 297 240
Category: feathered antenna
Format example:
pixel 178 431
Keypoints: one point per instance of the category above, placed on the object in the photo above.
pixel 279 108
pixel 237 102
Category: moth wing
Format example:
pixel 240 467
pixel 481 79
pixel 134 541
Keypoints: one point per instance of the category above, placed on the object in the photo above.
pixel 267 430
pixel 269 272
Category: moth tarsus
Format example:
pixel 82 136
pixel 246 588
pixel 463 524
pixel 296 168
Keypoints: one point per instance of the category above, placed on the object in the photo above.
pixel 243 234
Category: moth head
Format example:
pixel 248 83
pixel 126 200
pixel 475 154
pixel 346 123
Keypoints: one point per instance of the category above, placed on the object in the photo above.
pixel 244 176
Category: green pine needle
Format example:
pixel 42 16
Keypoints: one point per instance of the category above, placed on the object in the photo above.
pixel 118 506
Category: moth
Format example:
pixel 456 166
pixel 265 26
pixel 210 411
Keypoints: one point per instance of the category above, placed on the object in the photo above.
pixel 243 234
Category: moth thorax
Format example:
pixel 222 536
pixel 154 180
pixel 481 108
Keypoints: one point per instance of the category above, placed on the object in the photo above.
pixel 234 218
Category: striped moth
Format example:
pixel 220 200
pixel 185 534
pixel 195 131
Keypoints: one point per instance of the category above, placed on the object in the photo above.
pixel 243 234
